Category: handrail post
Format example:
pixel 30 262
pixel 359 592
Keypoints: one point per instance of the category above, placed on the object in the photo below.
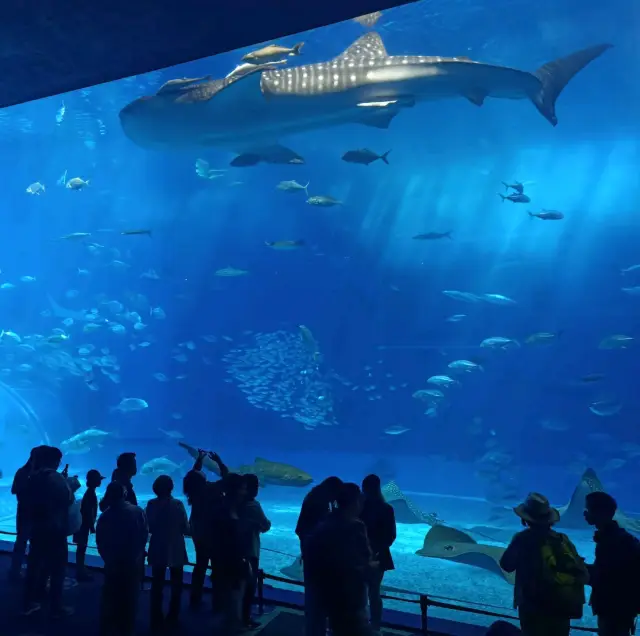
pixel 424 606
pixel 260 591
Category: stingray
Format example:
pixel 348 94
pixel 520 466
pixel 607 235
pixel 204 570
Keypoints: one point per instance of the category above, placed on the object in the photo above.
pixel 571 515
pixel 449 544
pixel 494 533
pixel 406 511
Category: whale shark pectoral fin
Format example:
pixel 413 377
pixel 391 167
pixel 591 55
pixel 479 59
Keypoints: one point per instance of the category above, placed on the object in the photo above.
pixel 235 89
pixel 380 113
pixel 368 46
pixel 476 96
pixel 379 119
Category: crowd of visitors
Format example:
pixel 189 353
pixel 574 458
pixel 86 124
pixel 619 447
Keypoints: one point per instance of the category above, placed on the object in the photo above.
pixel 345 532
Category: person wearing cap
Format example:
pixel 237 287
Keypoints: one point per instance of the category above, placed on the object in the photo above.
pixel 89 513
pixel 550 575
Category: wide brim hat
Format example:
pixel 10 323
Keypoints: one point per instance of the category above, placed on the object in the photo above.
pixel 536 509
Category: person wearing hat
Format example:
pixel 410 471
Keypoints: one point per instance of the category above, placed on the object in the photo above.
pixel 550 575
pixel 89 513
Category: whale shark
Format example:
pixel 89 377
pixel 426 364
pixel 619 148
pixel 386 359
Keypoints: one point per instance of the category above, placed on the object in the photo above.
pixel 252 111
pixel 269 473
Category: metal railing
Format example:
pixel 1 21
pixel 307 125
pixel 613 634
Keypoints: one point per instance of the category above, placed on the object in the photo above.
pixel 424 601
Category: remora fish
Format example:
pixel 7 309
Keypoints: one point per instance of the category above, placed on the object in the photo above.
pixel 245 113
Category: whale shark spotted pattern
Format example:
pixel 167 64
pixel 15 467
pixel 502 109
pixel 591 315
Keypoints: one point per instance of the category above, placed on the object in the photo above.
pixel 253 110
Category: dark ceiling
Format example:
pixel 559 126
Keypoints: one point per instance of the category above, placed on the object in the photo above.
pixel 54 46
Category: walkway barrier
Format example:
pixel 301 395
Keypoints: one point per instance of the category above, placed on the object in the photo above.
pixel 424 601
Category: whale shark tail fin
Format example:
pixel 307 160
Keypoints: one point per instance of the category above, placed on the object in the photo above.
pixel 554 76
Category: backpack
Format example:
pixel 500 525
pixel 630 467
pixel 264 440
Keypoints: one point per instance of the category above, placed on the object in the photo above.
pixel 563 575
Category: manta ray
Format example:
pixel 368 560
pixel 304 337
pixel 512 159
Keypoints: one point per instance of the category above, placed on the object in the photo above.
pixel 571 514
pixel 269 473
pixel 251 112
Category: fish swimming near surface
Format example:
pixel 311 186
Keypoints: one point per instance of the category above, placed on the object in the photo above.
pixel 547 215
pixel 273 53
pixel 247 66
pixel 364 85
pixel 269 473
pixel 515 197
pixel 433 236
pixel 180 84
pixel 364 156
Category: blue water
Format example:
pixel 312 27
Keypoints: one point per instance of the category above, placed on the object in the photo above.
pixel 242 378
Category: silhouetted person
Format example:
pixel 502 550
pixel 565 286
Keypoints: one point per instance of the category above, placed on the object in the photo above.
pixel 204 497
pixel 121 537
pixel 18 488
pixel 338 563
pixel 316 506
pixel 254 523
pixel 48 498
pixel 380 521
pixel 168 525
pixel 89 513
pixel 615 573
pixel 126 469
pixel 230 569
pixel 550 575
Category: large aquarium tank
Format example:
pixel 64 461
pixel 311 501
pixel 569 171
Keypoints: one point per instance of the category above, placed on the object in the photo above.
pixel 406 244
